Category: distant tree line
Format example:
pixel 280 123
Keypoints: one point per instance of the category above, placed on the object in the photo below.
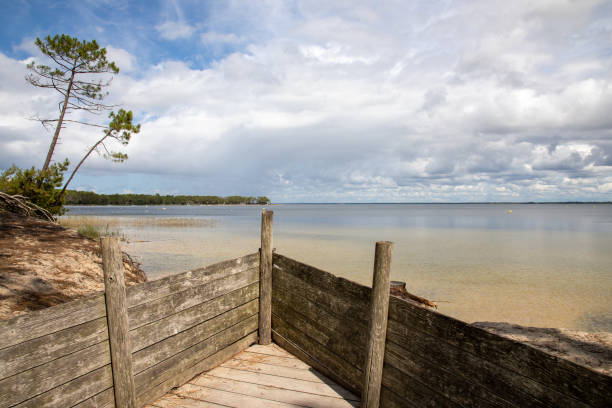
pixel 74 197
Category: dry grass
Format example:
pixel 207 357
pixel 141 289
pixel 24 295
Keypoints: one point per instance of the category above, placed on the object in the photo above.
pixel 81 221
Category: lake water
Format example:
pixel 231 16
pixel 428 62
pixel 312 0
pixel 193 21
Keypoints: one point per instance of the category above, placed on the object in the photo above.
pixel 547 265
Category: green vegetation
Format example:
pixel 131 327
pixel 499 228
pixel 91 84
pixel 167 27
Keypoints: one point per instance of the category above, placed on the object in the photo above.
pixel 40 186
pixel 89 198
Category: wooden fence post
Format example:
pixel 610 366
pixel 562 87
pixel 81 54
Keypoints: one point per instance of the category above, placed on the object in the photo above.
pixel 265 278
pixel 117 317
pixel 379 309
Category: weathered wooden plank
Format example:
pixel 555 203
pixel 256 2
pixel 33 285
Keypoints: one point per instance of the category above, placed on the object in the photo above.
pixel 271 349
pixel 30 383
pixel 168 368
pixel 506 384
pixel 229 398
pixel 561 375
pixel 154 332
pixel 176 302
pixel 276 361
pixel 336 367
pixel 288 295
pixel 118 329
pixel 333 337
pixel 379 307
pixel 265 278
pixel 23 356
pixel 185 369
pixel 50 320
pixel 389 399
pixel 75 391
pixel 273 380
pixel 181 401
pixel 105 399
pixel 255 366
pixel 342 288
pixel 272 393
pixel 412 389
pixel 162 350
pixel 450 384
pixel 284 281
pixel 155 289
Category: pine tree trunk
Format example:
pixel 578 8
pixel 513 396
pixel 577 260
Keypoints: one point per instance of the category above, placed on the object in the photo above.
pixel 59 125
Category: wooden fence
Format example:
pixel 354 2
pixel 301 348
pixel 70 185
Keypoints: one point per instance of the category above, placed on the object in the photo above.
pixel 179 326
pixel 164 332
pixel 429 360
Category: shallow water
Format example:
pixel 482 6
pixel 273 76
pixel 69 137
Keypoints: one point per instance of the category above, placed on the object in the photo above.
pixel 546 265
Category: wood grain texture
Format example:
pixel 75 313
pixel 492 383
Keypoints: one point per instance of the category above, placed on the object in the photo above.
pixel 38 380
pixel 154 332
pixel 74 392
pixel 193 364
pixel 155 289
pixel 379 307
pixel 550 375
pixel 32 353
pixel 178 301
pixel 104 399
pixel 265 279
pixel 340 295
pixel 118 329
pixel 50 320
pixel 173 366
pixel 158 352
pixel 331 332
pixel 327 361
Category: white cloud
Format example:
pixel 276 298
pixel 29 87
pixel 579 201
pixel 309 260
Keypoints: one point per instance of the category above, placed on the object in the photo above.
pixel 397 103
pixel 124 60
pixel 173 30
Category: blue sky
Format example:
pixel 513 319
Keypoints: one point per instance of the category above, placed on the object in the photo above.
pixel 343 101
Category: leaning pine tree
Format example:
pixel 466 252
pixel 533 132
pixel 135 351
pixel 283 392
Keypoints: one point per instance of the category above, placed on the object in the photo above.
pixel 80 73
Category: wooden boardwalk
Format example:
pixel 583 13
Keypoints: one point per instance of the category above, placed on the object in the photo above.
pixel 261 376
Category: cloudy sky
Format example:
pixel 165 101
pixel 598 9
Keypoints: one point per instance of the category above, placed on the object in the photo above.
pixel 332 101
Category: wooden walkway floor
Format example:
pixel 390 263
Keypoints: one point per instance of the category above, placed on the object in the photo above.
pixel 261 376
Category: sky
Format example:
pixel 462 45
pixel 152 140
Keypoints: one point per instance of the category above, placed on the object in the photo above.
pixel 331 101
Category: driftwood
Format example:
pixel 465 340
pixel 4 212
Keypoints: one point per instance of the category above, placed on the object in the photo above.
pixel 399 289
pixel 21 205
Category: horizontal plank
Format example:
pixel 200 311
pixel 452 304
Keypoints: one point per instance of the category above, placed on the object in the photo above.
pixel 412 389
pixel 50 320
pixel 564 376
pixel 450 384
pixel 464 365
pixel 335 366
pixel 389 399
pixel 276 361
pixel 76 392
pixel 176 401
pixel 255 366
pixel 105 399
pixel 344 339
pixel 154 332
pixel 176 302
pixel 23 356
pixel 155 289
pixel 283 281
pixel 162 350
pixel 270 349
pixel 168 368
pixel 312 387
pixel 227 398
pixel 272 393
pixel 188 368
pixel 344 289
pixel 37 380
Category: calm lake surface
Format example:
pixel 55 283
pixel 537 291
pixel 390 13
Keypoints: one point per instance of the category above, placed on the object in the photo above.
pixel 547 265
